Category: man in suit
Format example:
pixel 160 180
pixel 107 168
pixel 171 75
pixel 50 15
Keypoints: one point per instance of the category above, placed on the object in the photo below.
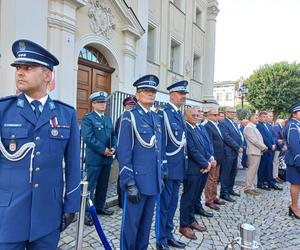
pixel 233 146
pixel 100 139
pixel 255 148
pixel 198 164
pixel 140 151
pixel 37 135
pixel 210 150
pixel 176 163
pixel 265 171
pixel 216 137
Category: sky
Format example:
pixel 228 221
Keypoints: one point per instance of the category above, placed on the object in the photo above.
pixel 251 33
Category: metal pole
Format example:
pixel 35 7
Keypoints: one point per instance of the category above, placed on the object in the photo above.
pixel 242 101
pixel 80 223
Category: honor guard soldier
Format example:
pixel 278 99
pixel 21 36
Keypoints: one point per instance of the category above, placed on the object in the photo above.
pixel 176 163
pixel 37 134
pixel 292 158
pixel 100 138
pixel 140 158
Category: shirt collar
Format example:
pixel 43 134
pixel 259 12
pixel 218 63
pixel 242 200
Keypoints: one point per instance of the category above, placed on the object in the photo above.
pixel 41 100
pixel 213 122
pixel 100 114
pixel 191 125
pixel 145 110
pixel 173 106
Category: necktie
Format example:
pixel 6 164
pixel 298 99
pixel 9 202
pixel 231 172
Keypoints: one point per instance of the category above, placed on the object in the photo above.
pixel 37 105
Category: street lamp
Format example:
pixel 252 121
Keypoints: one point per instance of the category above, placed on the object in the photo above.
pixel 243 90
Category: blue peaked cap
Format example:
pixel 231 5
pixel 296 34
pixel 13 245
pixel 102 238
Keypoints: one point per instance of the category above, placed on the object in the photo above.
pixel 30 53
pixel 180 86
pixel 147 81
pixel 295 107
pixel 98 96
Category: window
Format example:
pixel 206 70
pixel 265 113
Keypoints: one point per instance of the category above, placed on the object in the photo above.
pixel 228 96
pixel 151 45
pixel 175 57
pixel 197 68
pixel 198 17
pixel 219 97
pixel 91 54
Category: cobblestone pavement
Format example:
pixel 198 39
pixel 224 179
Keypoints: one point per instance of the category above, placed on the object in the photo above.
pixel 267 212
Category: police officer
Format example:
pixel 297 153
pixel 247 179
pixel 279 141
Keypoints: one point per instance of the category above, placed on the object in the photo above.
pixel 100 138
pixel 37 133
pixel 175 132
pixel 292 157
pixel 140 157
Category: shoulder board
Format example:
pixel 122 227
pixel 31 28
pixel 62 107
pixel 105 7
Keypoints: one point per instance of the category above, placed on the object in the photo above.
pixel 6 98
pixel 63 103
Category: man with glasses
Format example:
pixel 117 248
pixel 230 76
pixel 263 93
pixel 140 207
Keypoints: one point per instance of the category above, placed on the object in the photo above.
pixel 216 137
pixel 140 154
pixel 100 139
pixel 175 131
pixel 233 146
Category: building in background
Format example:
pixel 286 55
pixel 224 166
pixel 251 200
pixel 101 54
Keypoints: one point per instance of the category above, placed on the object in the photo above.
pixel 227 93
pixel 107 44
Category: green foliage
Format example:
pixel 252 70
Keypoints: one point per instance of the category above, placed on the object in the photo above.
pixel 222 109
pixel 274 87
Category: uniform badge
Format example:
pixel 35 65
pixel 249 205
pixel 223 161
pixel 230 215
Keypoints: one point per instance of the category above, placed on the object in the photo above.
pixel 22 46
pixel 54 132
pixel 12 145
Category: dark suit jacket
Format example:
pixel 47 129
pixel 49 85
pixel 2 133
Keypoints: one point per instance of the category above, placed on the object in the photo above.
pixel 232 138
pixel 266 134
pixel 217 141
pixel 198 154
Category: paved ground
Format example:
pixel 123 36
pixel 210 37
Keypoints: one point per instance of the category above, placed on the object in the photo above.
pixel 267 212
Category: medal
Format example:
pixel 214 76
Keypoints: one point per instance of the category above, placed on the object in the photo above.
pixel 12 145
pixel 54 132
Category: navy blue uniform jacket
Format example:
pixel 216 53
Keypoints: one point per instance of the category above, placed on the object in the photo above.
pixel 29 211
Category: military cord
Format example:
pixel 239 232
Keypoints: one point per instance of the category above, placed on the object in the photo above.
pixel 20 154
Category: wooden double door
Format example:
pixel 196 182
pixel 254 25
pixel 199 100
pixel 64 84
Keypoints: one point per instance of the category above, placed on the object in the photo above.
pixel 91 77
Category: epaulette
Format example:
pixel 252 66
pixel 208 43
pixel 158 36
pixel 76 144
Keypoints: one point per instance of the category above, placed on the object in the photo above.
pixel 86 114
pixel 11 97
pixel 63 103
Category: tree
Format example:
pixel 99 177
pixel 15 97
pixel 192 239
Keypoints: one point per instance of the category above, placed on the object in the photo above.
pixel 274 87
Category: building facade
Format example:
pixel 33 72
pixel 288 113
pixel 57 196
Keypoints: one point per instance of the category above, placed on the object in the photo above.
pixel 107 44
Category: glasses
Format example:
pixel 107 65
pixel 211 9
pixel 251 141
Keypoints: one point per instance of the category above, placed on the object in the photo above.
pixel 215 114
pixel 195 116
pixel 232 112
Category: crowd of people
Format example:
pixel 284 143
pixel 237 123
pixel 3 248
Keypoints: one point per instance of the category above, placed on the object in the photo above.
pixel 157 152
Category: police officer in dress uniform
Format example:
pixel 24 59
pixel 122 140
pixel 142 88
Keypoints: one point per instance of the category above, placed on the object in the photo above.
pixel 98 134
pixel 176 163
pixel 140 158
pixel 37 133
pixel 292 157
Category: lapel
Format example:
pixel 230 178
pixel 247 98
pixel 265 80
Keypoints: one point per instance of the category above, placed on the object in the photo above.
pixel 145 117
pixel 215 129
pixel 48 113
pixel 174 112
pixel 233 126
pixel 26 109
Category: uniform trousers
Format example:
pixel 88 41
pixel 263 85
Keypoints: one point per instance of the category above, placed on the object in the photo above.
pixel 191 186
pixel 211 186
pixel 168 205
pixel 98 176
pixel 251 178
pixel 228 174
pixel 48 242
pixel 136 223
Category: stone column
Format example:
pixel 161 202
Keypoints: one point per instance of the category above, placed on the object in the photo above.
pixel 209 51
pixel 61 33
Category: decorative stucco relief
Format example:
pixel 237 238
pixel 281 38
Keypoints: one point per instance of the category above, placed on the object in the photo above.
pixel 101 19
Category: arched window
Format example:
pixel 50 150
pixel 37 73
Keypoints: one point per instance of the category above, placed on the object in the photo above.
pixel 91 54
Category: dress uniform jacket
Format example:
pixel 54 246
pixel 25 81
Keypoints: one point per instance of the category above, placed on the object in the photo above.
pixel 292 138
pixel 98 134
pixel 29 211
pixel 137 162
pixel 176 164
